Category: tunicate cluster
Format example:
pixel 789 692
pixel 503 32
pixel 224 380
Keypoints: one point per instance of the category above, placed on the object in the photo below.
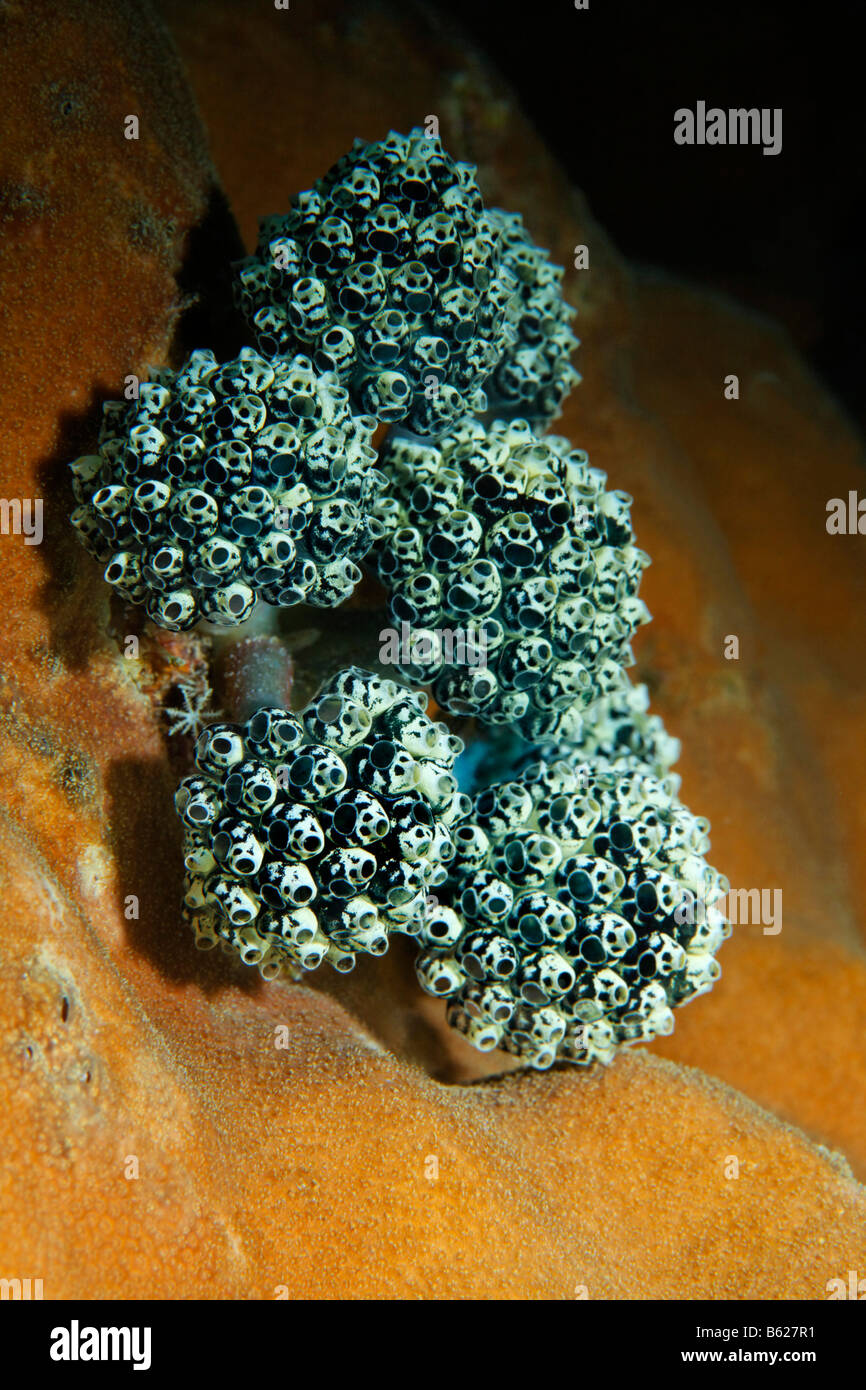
pixel 617 731
pixel 535 376
pixel 580 910
pixel 512 537
pixel 390 273
pixel 312 837
pixel 573 905
pixel 220 484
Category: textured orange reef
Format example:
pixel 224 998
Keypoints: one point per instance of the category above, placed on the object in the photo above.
pixel 340 1164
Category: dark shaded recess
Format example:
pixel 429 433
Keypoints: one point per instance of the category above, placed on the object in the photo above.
pixel 390 980
pixel 209 318
pixel 70 593
pixel 782 234
pixel 146 831
pixel 73 591
pixel 73 583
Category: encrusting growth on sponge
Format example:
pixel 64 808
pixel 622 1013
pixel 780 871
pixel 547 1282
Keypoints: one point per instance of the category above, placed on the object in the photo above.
pixel 574 907
pixel 391 273
pixel 313 837
pixel 514 536
pixel 220 484
pixel 587 912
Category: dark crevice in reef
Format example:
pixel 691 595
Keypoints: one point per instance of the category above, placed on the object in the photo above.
pixel 145 831
pixel 72 583
pixel 209 318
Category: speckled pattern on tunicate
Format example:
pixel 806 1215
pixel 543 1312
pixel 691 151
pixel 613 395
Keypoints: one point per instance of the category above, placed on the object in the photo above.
pixel 390 272
pixel 312 837
pixel 586 911
pixel 535 375
pixel 308 1167
pixel 617 730
pixel 223 483
pixel 501 532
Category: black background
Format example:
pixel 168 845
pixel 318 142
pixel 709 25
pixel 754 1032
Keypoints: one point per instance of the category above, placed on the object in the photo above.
pixel 781 233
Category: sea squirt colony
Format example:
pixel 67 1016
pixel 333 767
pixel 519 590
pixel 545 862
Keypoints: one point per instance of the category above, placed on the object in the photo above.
pixel 566 908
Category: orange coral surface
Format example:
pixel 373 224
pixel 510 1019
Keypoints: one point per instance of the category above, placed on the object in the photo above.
pixel 171 1126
